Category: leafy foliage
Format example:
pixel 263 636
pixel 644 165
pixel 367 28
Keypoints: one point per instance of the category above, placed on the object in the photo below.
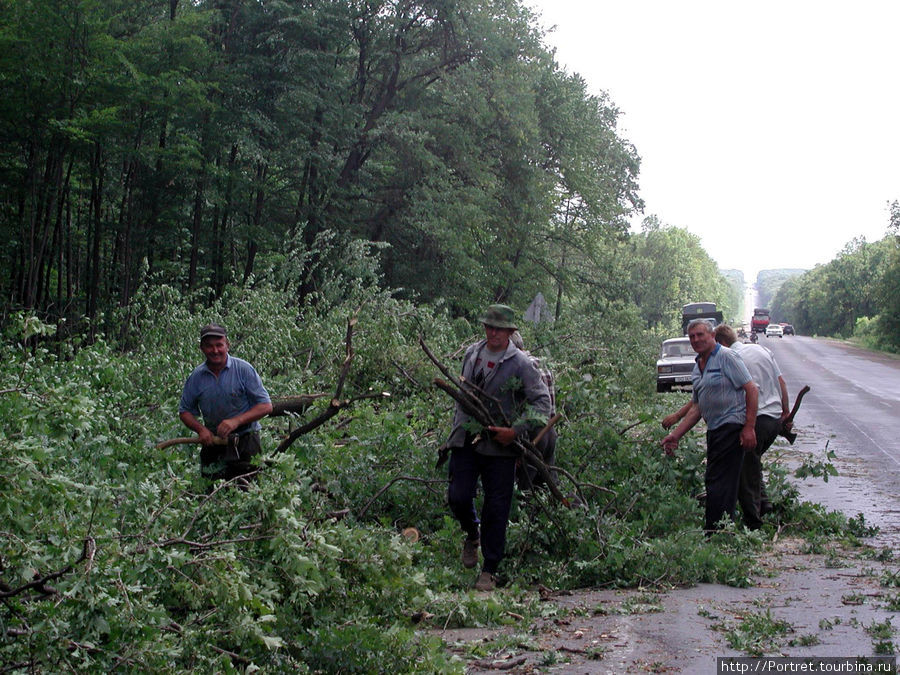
pixel 689 275
pixel 854 295
pixel 767 284
pixel 219 142
pixel 115 554
pixel 281 167
pixel 736 284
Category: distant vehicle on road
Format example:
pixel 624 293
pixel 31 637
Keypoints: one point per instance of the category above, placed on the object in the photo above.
pixel 787 329
pixel 700 310
pixel 760 320
pixel 774 330
pixel 676 361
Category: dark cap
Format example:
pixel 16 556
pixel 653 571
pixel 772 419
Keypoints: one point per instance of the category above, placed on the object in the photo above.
pixel 499 316
pixel 212 330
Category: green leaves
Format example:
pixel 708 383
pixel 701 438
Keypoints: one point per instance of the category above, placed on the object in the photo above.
pixel 145 563
pixel 851 296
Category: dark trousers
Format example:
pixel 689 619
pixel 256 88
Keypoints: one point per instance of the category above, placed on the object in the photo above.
pixel 497 478
pixel 724 458
pixel 752 490
pixel 232 460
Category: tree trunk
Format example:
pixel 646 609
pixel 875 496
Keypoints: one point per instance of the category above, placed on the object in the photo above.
pixel 95 216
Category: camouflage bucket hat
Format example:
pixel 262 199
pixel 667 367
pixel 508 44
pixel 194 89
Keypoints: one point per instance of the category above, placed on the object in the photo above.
pixel 499 316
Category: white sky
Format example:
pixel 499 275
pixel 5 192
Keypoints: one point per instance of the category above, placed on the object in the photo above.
pixel 771 129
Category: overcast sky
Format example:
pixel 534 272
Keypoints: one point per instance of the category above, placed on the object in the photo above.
pixel 770 129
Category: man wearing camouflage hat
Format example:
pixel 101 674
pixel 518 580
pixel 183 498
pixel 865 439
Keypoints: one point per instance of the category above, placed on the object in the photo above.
pixel 492 364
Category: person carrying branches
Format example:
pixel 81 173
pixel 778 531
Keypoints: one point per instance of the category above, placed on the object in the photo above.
pixel 514 395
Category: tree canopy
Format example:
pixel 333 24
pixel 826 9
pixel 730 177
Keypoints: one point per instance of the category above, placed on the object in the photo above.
pixel 853 295
pixel 206 142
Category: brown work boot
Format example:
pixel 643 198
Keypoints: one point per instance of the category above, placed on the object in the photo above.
pixel 470 552
pixel 485 582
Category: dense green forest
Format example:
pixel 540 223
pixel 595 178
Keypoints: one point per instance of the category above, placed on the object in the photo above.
pixel 769 281
pixel 334 181
pixel 205 143
pixel 855 295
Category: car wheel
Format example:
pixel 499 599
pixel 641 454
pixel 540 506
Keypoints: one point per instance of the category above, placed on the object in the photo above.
pixel 662 388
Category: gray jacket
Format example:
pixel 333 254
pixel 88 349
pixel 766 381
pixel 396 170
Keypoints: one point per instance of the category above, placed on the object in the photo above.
pixel 531 390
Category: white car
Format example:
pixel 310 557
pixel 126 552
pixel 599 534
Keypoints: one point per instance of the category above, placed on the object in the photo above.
pixel 773 330
pixel 676 361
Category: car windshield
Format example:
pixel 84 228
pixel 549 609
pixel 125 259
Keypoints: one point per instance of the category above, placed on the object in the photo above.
pixel 678 349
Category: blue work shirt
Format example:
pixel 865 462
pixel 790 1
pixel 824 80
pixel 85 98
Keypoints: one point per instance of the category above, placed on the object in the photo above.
pixel 237 389
pixel 719 389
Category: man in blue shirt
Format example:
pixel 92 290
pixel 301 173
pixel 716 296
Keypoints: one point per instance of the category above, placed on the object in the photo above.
pixel 229 394
pixel 726 397
pixel 773 409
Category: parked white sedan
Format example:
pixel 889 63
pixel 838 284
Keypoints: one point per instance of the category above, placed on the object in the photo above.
pixel 676 361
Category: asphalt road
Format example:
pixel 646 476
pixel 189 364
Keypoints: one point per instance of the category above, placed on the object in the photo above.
pixel 854 404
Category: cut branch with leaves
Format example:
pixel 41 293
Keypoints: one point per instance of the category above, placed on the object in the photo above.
pixel 470 398
pixel 336 404
pixel 39 583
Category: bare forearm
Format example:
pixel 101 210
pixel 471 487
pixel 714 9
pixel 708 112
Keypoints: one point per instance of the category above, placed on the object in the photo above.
pixel 191 422
pixel 674 418
pixel 255 413
pixel 688 420
pixel 748 432
pixel 670 442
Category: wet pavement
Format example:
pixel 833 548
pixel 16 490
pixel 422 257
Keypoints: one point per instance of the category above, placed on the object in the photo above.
pixel 825 601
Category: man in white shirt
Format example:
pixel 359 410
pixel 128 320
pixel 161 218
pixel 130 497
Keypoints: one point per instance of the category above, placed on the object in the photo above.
pixel 774 407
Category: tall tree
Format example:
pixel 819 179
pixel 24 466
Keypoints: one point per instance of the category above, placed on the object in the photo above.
pixel 669 269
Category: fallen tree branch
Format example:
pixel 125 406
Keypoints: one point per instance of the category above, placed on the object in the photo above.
pixel 362 511
pixel 336 403
pixel 523 446
pixel 446 371
pixel 293 405
pixel 469 390
pixel 543 432
pixel 631 426
pixel 232 655
pixel 333 409
pixel 502 665
pixel 348 356
pixel 281 406
pixel 39 583
pixel 405 374
pixel 187 440
pixel 202 546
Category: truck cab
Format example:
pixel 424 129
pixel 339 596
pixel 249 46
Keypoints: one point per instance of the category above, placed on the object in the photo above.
pixel 700 310
pixel 760 320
